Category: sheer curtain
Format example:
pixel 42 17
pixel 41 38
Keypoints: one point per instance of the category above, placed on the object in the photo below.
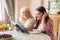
pixel 1 11
pixel 6 10
pixel 9 7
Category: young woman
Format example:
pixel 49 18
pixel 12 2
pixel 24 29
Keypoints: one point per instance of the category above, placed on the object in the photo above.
pixel 26 19
pixel 44 23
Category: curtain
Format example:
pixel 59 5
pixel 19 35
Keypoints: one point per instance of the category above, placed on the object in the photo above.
pixel 0 11
pixel 2 19
pixel 9 8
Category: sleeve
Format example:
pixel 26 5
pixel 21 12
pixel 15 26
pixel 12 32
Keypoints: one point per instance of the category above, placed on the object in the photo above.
pixel 49 26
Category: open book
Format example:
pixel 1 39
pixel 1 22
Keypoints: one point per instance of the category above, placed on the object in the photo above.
pixel 20 27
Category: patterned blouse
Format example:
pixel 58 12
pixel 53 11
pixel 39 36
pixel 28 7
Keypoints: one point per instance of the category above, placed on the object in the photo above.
pixel 49 28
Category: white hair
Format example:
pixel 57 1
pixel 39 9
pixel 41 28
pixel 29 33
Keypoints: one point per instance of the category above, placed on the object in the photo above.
pixel 23 8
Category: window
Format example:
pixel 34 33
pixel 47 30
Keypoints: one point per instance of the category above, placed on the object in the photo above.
pixel 52 6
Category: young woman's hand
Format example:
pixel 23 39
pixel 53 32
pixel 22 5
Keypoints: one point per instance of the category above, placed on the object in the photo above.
pixel 45 14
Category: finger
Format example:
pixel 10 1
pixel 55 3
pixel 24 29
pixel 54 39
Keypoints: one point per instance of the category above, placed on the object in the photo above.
pixel 45 12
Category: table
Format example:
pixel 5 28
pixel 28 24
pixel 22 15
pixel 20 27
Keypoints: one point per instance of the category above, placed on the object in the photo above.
pixel 17 35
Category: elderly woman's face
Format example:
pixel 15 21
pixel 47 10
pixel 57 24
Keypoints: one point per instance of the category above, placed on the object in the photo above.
pixel 38 15
pixel 25 13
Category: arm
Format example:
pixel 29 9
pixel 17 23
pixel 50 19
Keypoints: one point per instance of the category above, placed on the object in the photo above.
pixel 49 29
pixel 41 26
pixel 49 26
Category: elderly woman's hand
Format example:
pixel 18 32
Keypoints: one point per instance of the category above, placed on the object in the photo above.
pixel 16 29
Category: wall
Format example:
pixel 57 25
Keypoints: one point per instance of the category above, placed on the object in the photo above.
pixel 32 4
pixel 18 5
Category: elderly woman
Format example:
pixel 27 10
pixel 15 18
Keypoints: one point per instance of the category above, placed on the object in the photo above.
pixel 43 22
pixel 26 19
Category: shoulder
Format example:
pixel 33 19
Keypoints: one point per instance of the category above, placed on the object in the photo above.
pixel 50 21
pixel 31 19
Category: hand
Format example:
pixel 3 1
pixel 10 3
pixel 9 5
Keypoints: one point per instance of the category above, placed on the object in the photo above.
pixel 16 29
pixel 45 14
pixel 43 17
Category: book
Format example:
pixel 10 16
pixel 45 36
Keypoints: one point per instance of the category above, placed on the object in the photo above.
pixel 20 27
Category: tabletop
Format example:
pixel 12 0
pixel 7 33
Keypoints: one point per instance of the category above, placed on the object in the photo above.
pixel 17 35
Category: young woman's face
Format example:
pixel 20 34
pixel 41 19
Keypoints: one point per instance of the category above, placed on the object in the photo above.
pixel 38 15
